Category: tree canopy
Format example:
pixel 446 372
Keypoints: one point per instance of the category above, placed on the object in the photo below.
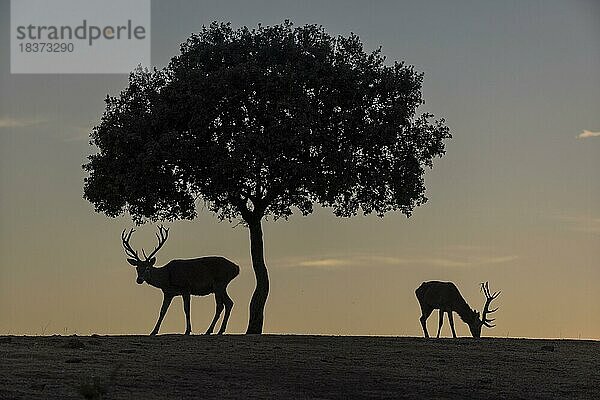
pixel 264 122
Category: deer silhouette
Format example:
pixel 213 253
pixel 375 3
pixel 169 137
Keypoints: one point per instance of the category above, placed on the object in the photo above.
pixel 196 276
pixel 446 297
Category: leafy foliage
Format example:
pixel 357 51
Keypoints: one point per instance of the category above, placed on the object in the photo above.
pixel 261 122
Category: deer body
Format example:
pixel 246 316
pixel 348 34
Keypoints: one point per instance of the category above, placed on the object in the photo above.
pixel 445 297
pixel 196 276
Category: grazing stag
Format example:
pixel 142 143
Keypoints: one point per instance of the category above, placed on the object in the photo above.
pixel 444 296
pixel 196 276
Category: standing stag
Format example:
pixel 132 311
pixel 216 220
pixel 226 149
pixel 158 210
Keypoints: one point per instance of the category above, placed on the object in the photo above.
pixel 444 296
pixel 196 276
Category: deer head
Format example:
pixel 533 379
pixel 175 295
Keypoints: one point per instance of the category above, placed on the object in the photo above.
pixel 478 321
pixel 143 267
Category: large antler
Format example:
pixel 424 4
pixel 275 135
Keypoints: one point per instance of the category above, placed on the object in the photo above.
pixel 162 235
pixel 485 287
pixel 128 249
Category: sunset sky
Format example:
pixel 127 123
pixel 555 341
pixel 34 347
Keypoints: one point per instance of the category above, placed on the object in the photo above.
pixel 515 201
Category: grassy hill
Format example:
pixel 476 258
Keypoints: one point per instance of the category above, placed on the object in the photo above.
pixel 295 367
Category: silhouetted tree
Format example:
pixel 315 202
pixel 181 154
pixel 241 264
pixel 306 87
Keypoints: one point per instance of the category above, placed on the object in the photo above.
pixel 260 123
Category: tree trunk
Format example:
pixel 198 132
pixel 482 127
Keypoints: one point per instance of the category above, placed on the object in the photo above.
pixel 261 292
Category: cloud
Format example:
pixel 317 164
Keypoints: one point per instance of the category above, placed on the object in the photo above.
pixel 327 262
pixel 584 224
pixel 8 122
pixel 588 134
pixel 467 261
pixel 361 260
pixel 77 133
pixel 64 132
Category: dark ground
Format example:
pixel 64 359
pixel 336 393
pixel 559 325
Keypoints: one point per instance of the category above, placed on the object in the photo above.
pixel 295 367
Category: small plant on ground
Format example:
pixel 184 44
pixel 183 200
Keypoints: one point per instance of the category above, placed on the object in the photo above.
pixel 96 388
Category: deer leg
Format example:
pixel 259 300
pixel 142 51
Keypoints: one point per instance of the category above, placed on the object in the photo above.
pixel 228 306
pixel 451 319
pixel 219 303
pixel 441 321
pixel 163 310
pixel 186 309
pixel 425 313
